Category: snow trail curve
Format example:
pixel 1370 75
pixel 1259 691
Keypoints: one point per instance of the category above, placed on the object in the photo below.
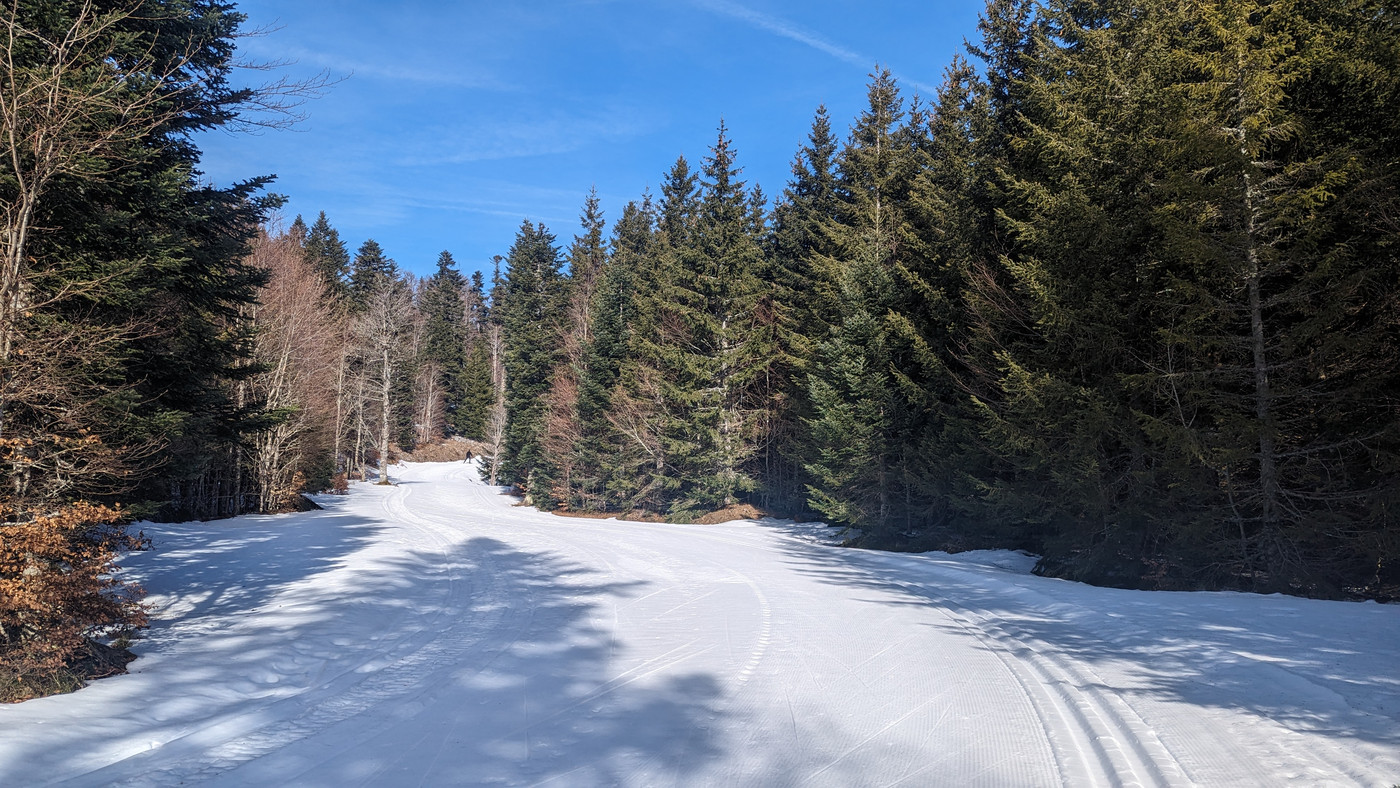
pixel 432 633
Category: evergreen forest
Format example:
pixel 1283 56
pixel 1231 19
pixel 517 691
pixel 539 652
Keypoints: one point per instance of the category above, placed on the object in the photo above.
pixel 1124 293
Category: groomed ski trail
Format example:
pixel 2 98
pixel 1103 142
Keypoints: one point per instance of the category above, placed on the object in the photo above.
pixel 433 633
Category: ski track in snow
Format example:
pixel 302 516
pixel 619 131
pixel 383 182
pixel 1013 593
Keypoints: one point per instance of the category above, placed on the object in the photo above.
pixel 432 633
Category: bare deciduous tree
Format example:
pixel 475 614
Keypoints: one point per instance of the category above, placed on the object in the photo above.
pixel 296 332
pixel 495 438
pixel 430 417
pixel 383 327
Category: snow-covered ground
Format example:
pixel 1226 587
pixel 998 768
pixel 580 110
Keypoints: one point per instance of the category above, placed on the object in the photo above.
pixel 433 634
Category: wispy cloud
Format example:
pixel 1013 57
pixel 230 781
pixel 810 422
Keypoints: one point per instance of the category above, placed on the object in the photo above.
pixel 794 32
pixel 372 202
pixel 785 29
pixel 406 71
pixel 492 139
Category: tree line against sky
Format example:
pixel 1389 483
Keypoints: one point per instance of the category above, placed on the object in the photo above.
pixel 1124 295
pixel 1123 292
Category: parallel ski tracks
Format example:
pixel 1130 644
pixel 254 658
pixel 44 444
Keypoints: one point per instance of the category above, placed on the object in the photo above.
pixel 1100 739
pixel 1097 738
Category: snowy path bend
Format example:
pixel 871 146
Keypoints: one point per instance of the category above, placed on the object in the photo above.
pixel 433 634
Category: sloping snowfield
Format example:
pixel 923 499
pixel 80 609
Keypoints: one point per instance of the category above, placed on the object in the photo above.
pixel 433 634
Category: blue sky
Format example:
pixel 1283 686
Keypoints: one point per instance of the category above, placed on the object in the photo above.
pixel 456 121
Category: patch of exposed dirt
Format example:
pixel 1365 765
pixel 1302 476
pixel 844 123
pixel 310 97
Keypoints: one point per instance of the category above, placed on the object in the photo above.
pixel 739 511
pixel 584 515
pixel 450 450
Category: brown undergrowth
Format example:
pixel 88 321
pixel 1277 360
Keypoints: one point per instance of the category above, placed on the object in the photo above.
pixel 59 599
pixel 450 450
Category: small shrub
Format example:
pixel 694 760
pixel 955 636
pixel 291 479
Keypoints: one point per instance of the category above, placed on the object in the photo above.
pixel 58 595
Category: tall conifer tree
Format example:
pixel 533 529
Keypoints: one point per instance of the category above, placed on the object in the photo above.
pixel 530 315
pixel 443 304
pixel 327 255
pixel 868 480
pixel 476 384
pixel 370 265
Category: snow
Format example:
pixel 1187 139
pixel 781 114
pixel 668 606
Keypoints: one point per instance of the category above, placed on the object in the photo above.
pixel 432 633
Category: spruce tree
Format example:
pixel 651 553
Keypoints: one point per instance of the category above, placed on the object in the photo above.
pixel 587 255
pixel 475 383
pixel 298 232
pixel 802 306
pixel 530 307
pixel 370 265
pixel 1070 297
pixel 855 411
pixel 446 333
pixel 562 425
pixel 731 360
pixel 1277 274
pixel 616 398
pixel 1164 407
pixel 868 245
pixel 706 364
pixel 599 446
pixel 947 230
pixel 656 404
pixel 327 255
pixel 123 285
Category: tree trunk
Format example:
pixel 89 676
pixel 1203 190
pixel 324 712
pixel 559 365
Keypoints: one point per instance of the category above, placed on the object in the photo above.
pixel 1263 396
pixel 340 380
pixel 385 384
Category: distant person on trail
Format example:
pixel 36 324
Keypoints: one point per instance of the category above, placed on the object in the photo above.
pixel 468 458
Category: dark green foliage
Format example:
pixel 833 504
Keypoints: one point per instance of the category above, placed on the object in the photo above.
pixel 443 307
pixel 531 301
pixel 327 255
pixel 655 405
pixel 1182 299
pixel 140 267
pixel 586 257
pixel 869 480
pixel 443 303
pixel 1126 294
pixel 855 426
pixel 719 362
pixel 369 266
pixel 617 451
pixel 679 203
pixel 598 448
pixel 582 381
pixel 298 232
pixel 802 307
pixel 474 385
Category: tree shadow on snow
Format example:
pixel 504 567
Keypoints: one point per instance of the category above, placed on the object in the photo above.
pixel 523 685
pixel 473 663
pixel 218 569
pixel 1317 666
